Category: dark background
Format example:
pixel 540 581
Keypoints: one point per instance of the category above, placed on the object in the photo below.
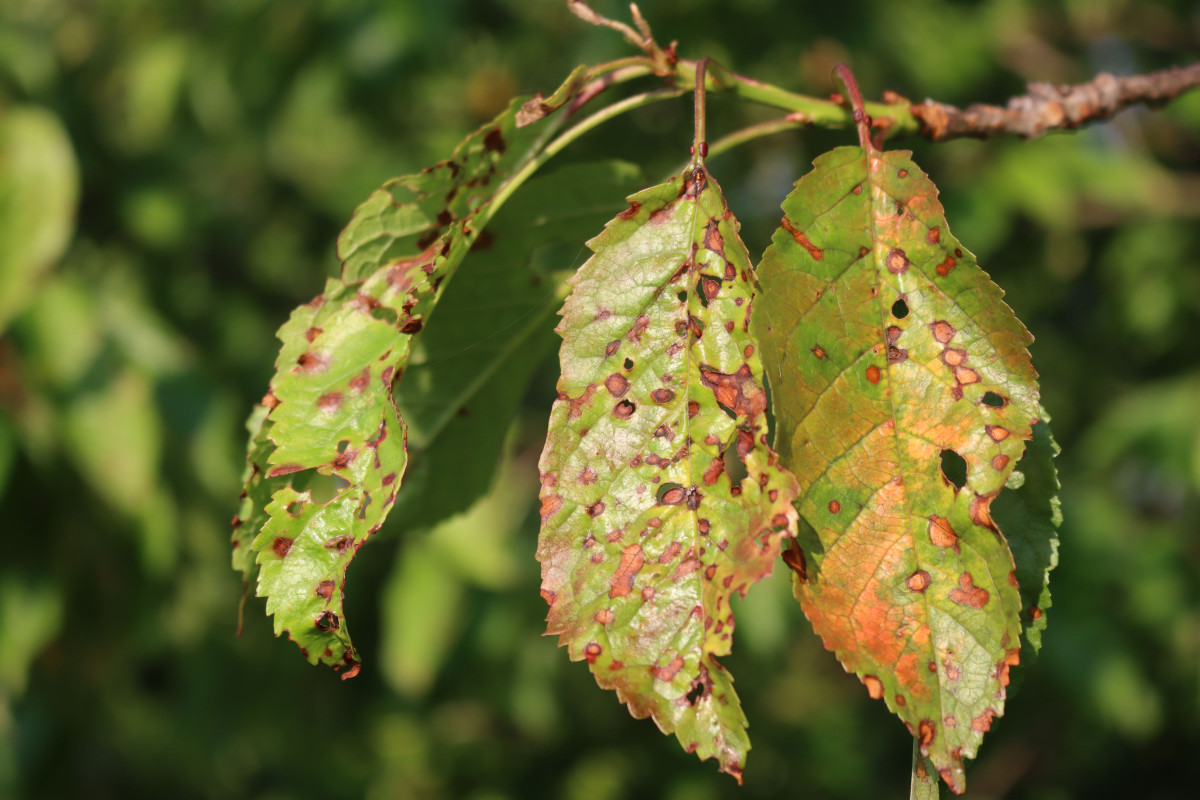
pixel 173 176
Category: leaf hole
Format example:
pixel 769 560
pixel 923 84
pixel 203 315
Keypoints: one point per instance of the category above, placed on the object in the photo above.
pixel 698 692
pixel 295 508
pixel 954 468
pixel 342 445
pixel 682 296
pixel 735 468
pixel 900 309
pixel 362 510
pixel 994 400
pixel 629 363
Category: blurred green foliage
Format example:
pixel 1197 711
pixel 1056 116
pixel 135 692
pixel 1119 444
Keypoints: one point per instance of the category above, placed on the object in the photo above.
pixel 173 176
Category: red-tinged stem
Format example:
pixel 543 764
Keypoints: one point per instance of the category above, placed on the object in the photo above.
pixel 699 142
pixel 861 120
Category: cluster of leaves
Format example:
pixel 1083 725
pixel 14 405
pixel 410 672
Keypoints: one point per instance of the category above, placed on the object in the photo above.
pixel 902 393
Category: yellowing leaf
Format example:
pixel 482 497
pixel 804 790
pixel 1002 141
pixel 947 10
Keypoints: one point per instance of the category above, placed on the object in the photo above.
pixel 660 497
pixel 904 395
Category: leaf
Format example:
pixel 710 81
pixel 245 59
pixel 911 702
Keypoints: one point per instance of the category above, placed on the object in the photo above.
pixel 39 188
pixel 886 347
pixel 330 407
pixel 1029 513
pixel 648 530
pixel 492 330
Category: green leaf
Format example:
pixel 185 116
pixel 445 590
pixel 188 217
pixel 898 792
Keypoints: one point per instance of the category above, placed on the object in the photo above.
pixel 39 188
pixel 894 364
pixel 1029 513
pixel 660 497
pixel 330 407
pixel 492 330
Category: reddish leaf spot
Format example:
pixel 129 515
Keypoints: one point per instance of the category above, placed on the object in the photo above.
pixel 967 593
pixel 686 567
pixel 981 513
pixel 1000 462
pixel 604 616
pixel 934 235
pixel 648 594
pixel 325 589
pixel 693 408
pixel 919 581
pixel 941 533
pixel 596 509
pixel 966 376
pixel 592 652
pixel 338 543
pixel 900 701
pixel 873 374
pixel 958 252
pixel 622 580
pixel 358 383
pixel 624 409
pixel 815 252
pixel 737 392
pixel 579 402
pixel 1035 613
pixel 588 476
pixel 669 554
pixel 834 506
pixel 312 333
pixel 926 731
pixel 950 721
pixel 997 433
pixel 902 173
pixel 896 261
pixel 632 211
pixel 983 723
pixel 714 471
pixel 281 546
pixel 874 687
pixel 943 331
pixel 616 384
pixel 944 268
pixel 668 672
pixel 312 362
pixel 818 351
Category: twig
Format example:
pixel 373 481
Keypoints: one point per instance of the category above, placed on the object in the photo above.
pixel 1049 107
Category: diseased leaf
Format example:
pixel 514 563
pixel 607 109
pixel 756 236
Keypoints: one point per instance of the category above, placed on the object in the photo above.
pixel 492 330
pixel 660 497
pixel 903 396
pixel 331 408
pixel 1029 514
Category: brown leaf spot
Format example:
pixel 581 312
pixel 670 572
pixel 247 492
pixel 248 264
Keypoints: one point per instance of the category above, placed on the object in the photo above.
pixel 325 589
pixel 312 362
pixel 596 509
pixel 1035 613
pixel 902 173
pixel 862 251
pixel 966 376
pixel 668 672
pixel 712 237
pixel 551 503
pixel 981 513
pixel 662 396
pixel 338 543
pixel 944 268
pixel 1000 462
pixel 873 374
pixel 943 331
pixel 617 384
pixel 874 687
pixel 669 554
pixel 686 567
pixel 693 408
pixel 640 326
pixel 624 409
pixel 632 211
pixel 953 357
pixel 794 558
pixel 714 471
pixel 968 594
pixel 896 261
pixel 494 141
pixel 710 287
pixel 588 476
pixel 611 347
pixel 834 506
pixel 604 616
pixel 934 235
pixel 818 351
pixel 312 333
pixel 857 189
pixel 622 580
pixel 281 546
pixel 815 252
pixel 941 533
pixel 997 433
pixel 358 383
pixel 897 355
pixel 648 594
pixel 592 652
pixel 983 723
pixel 737 392
pixel 900 701
pixel 579 402
pixel 919 581
pixel 950 721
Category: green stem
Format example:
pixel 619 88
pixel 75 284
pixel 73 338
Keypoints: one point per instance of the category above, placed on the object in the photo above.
pixel 564 139
pixel 924 777
pixel 752 132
